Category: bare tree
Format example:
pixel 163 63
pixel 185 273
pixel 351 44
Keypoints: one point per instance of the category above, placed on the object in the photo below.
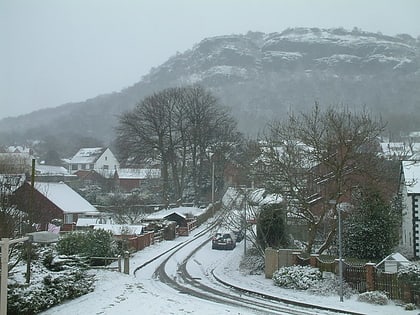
pixel 178 126
pixel 126 208
pixel 316 159
pixel 12 221
pixel 12 176
pixel 143 133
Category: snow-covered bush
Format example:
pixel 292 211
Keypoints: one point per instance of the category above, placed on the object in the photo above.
pixel 409 273
pixel 253 263
pixel 52 281
pixel 373 297
pixel 327 287
pixel 54 289
pixel 297 277
pixel 410 307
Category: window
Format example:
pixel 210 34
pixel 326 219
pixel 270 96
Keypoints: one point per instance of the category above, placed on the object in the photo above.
pixel 68 218
pixel 106 167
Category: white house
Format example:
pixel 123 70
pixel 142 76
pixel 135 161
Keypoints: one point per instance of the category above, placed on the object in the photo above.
pixel 410 191
pixel 17 159
pixel 101 160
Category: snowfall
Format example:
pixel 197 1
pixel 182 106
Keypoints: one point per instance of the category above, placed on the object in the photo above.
pixel 141 293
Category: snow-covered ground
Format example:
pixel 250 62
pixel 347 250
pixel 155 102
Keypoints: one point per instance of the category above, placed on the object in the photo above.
pixel 118 293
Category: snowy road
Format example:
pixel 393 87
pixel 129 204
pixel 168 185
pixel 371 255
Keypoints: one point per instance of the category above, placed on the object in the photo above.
pixel 193 275
pixel 182 292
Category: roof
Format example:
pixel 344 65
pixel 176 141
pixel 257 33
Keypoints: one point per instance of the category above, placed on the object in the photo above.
pixel 181 211
pixel 87 155
pixel 68 200
pixel 411 170
pixel 120 229
pixel 397 257
pixel 51 170
pixel 14 181
pixel 138 173
pixel 261 197
pixel 19 149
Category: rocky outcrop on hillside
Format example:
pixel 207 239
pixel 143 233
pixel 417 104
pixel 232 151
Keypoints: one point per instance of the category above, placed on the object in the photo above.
pixel 261 77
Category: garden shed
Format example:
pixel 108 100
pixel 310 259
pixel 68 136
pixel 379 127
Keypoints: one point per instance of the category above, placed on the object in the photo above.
pixel 392 263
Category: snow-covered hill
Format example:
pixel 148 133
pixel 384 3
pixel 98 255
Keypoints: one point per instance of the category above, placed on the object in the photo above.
pixel 260 77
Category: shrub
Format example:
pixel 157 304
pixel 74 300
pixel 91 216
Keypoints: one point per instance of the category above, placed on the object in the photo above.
pixel 409 273
pixel 54 289
pixel 296 277
pixel 328 287
pixel 91 243
pixel 410 307
pixel 373 297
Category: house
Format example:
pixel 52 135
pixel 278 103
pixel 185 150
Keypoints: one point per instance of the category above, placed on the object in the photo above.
pixel 52 173
pixel 50 202
pixel 100 160
pixel 16 160
pixel 185 217
pixel 410 192
pixel 131 178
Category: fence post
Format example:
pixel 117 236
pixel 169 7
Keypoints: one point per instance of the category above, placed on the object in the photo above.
pixel 407 296
pixel 119 263
pixel 370 276
pixel 271 262
pixel 126 262
pixel 294 258
pixel 313 260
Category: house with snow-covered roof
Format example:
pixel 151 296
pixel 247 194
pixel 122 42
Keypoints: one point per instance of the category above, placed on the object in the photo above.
pixel 185 217
pixel 16 159
pixel 132 178
pixel 49 202
pixel 101 160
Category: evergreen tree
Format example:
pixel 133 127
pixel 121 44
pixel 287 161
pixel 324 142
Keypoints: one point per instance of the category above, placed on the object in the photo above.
pixel 271 227
pixel 371 231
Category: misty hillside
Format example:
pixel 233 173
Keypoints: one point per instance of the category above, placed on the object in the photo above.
pixel 260 77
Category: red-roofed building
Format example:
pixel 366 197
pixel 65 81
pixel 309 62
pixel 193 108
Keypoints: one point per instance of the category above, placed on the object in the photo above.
pixel 50 202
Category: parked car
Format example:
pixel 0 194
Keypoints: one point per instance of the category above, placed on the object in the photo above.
pixel 223 240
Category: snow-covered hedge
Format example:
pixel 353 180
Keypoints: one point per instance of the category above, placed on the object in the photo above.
pixel 297 277
pixel 53 280
pixel 54 289
pixel 373 297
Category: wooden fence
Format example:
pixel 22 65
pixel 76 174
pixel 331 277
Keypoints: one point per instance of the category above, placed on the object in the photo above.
pixel 360 277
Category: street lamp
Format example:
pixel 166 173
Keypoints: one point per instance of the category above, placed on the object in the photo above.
pixel 340 253
pixel 340 248
pixel 245 219
pixel 212 182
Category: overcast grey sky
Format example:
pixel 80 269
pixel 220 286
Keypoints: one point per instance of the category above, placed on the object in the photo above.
pixel 58 51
